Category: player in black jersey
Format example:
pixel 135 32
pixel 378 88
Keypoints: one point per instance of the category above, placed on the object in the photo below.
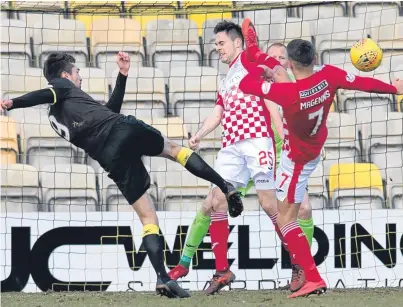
pixel 118 142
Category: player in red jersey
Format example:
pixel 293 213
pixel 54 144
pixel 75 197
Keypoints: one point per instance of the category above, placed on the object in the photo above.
pixel 306 104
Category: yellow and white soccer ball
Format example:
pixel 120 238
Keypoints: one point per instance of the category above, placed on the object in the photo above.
pixel 366 55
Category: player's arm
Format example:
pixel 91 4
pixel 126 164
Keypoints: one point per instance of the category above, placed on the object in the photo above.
pixel 211 123
pixel 274 69
pixel 116 99
pixel 349 81
pixel 47 95
pixel 283 94
pixel 275 117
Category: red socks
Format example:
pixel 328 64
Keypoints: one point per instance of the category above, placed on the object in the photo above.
pixel 280 235
pixel 298 246
pixel 219 233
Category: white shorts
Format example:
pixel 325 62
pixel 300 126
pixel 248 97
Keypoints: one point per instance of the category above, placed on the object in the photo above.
pixel 246 159
pixel 292 179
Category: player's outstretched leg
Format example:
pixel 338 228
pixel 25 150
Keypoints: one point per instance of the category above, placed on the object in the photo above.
pixel 152 244
pixel 198 167
pixel 198 231
pixel 251 40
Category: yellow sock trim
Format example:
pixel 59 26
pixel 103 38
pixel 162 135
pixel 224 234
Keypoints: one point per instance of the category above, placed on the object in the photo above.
pixel 184 155
pixel 150 229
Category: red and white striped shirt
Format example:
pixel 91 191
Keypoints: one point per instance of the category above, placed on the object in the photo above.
pixel 244 116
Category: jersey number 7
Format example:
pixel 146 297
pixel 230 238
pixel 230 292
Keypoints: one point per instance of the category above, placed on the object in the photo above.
pixel 319 115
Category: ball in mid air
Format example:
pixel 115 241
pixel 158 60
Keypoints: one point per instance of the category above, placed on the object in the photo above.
pixel 366 55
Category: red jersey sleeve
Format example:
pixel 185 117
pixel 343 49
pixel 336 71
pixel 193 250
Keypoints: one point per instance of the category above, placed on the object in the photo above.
pixel 350 81
pixel 283 94
pixel 219 101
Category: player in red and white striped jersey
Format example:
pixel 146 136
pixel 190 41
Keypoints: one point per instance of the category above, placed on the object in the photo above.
pixel 248 150
pixel 306 104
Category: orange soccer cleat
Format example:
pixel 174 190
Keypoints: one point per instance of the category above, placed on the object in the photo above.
pixel 219 281
pixel 309 288
pixel 251 40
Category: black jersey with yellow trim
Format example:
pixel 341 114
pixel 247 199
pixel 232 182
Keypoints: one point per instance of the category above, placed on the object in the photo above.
pixel 75 115
pixel 78 118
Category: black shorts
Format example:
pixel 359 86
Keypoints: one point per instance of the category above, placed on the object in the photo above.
pixel 128 141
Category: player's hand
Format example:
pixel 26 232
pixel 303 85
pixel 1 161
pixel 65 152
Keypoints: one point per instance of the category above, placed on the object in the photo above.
pixel 399 86
pixel 6 104
pixel 123 61
pixel 194 142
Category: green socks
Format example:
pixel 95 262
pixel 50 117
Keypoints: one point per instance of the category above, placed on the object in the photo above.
pixel 198 231
pixel 308 228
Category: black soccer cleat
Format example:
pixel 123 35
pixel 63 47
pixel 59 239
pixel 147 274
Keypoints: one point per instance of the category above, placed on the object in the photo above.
pixel 235 205
pixel 170 289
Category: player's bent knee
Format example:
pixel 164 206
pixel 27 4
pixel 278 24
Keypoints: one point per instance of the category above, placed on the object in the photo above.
pixel 219 202
pixel 268 201
pixel 305 210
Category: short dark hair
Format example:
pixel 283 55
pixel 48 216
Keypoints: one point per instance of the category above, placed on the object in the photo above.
pixel 230 28
pixel 301 51
pixel 56 63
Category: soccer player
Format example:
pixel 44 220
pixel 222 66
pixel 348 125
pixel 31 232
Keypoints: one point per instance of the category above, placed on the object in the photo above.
pixel 118 142
pixel 201 223
pixel 306 104
pixel 247 152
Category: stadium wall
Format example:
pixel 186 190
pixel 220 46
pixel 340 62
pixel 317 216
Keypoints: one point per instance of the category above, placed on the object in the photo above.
pixel 102 251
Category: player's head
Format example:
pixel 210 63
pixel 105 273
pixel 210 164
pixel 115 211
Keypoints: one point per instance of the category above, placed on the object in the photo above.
pixel 61 65
pixel 228 40
pixel 279 52
pixel 301 55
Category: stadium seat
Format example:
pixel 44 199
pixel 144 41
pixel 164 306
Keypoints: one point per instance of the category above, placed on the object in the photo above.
pixel 200 11
pixel 89 12
pixel 260 13
pixel 113 200
pixel 321 11
pixel 95 83
pixel 192 94
pixel 69 188
pixel 62 35
pixel 335 36
pixel 15 45
pixel 172 127
pixel 285 32
pixel 32 13
pixel 383 141
pixel 20 189
pixel 145 11
pixel 356 186
pixel 378 12
pixel 9 142
pixel 145 92
pixel 173 44
pixel 42 146
pixel 317 193
pixel 111 35
pixel 342 144
pixel 394 183
pixel 180 190
pixel 19 81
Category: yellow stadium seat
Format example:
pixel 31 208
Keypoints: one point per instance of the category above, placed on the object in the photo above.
pixel 200 11
pixel 8 141
pixel 356 186
pixel 399 100
pixel 172 127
